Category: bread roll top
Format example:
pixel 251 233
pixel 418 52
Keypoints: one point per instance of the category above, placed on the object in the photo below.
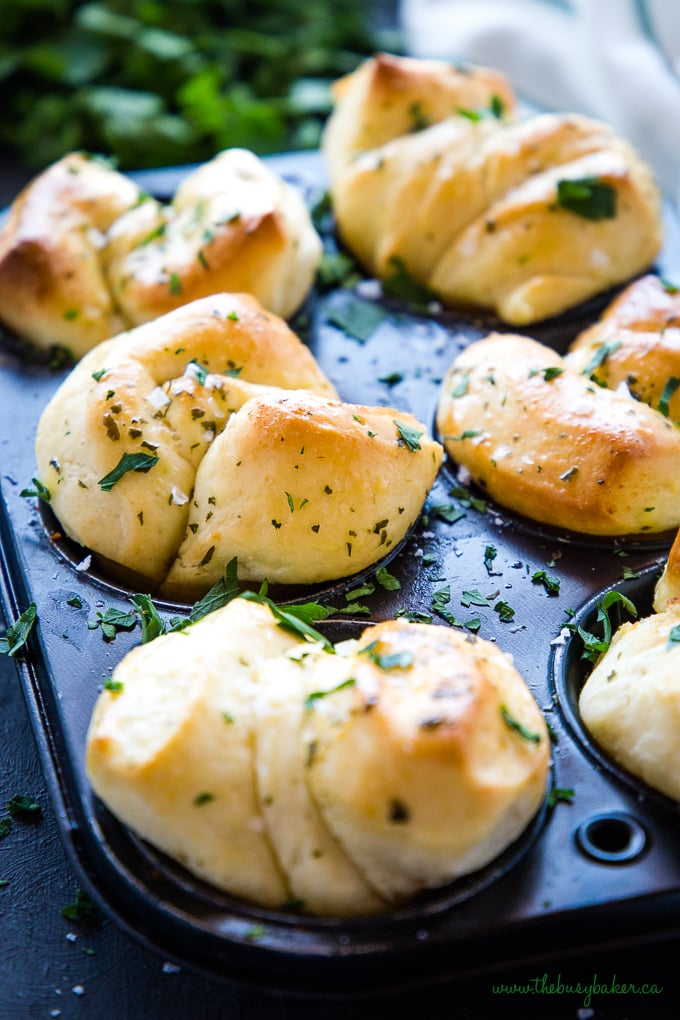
pixel 554 446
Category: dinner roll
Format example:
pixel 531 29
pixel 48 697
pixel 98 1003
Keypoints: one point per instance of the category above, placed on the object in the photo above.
pixel 551 444
pixel 303 489
pixel 343 783
pixel 429 755
pixel 171 752
pixel 630 703
pixel 523 217
pixel 212 433
pixel 233 225
pixel 53 287
pixel 85 253
pixel 636 343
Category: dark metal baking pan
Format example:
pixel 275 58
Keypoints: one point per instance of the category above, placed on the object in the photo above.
pixel 554 892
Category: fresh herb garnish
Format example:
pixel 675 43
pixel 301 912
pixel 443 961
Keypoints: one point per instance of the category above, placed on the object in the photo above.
pixel 82 909
pixel 594 644
pixel 589 197
pixel 396 660
pixel 408 436
pixel 315 696
pixel 16 635
pixel 549 582
pixel 386 580
pixel 40 491
pixel 296 619
pixel 142 462
pixel 669 389
pixel 518 727
pixel 560 795
pixel 20 804
pixel 357 318
pixel 402 285
pixel 111 621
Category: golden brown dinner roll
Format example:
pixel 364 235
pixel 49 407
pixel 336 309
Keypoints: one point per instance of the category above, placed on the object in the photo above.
pixel 637 343
pixel 85 254
pixel 428 757
pixel 53 289
pixel 212 433
pixel 556 447
pixel 171 753
pixel 303 489
pixel 522 217
pixel 343 782
pixel 631 701
pixel 233 225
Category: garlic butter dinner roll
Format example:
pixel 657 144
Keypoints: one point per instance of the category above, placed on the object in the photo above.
pixel 212 433
pixel 345 782
pixel 85 253
pixel 53 285
pixel 233 225
pixel 630 703
pixel 636 343
pixel 432 174
pixel 553 445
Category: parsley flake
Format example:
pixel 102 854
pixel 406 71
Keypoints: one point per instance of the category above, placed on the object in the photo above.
pixel 141 462
pixel 588 197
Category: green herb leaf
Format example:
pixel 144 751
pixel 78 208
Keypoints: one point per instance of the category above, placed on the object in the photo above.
pixel 595 643
pixel 296 619
pixel 560 795
pixel 142 462
pixel 40 491
pixel 152 623
pixel 589 197
pixel 669 389
pixel 396 660
pixel 474 598
pixel 549 582
pixel 20 804
pixel 386 580
pixel 518 727
pixel 82 909
pixel 674 635
pixel 357 318
pixel 408 435
pixel 315 696
pixel 16 635
pixel 400 284
pixel 222 592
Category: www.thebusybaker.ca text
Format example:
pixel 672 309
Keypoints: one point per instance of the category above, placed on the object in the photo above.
pixel 547 985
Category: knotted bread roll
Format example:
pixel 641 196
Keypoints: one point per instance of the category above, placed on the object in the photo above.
pixel 211 433
pixel 523 217
pixel 348 782
pixel 85 253
pixel 553 445
pixel 636 343
pixel 53 285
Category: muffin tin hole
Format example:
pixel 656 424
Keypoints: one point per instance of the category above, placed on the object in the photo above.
pixel 611 838
pixel 570 670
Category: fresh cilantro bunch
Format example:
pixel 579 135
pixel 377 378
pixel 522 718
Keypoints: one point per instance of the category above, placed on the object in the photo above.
pixel 152 83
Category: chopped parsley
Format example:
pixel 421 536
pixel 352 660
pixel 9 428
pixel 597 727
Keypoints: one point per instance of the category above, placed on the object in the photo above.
pixel 40 491
pixel 386 580
pixel 408 436
pixel 402 285
pixel 674 635
pixel 20 804
pixel 549 582
pixel 111 621
pixel 517 727
pixel 589 197
pixel 669 389
pixel 357 318
pixel 16 635
pixel 142 462
pixel 594 644
pixel 396 660
pixel 311 699
pixel 560 795
pixel 82 909
pixel 600 356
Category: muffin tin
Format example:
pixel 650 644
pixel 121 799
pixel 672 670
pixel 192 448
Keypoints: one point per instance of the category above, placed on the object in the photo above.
pixel 600 864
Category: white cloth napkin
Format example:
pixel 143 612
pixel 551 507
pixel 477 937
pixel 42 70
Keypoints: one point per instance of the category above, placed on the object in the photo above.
pixel 617 60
